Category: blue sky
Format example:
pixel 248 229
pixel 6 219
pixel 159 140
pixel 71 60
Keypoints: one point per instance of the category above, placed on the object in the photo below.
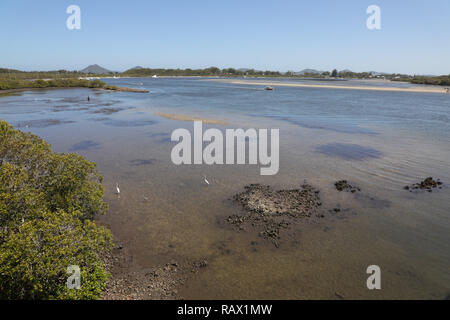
pixel 275 35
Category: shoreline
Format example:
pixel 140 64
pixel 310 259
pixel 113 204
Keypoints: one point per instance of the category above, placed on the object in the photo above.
pixel 122 89
pixel 327 86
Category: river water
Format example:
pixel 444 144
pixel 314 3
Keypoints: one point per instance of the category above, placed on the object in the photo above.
pixel 379 141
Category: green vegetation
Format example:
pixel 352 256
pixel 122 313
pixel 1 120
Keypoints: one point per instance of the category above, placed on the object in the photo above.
pixel 15 79
pixel 11 74
pixel 6 84
pixel 231 72
pixel 47 204
pixel 212 72
pixel 438 81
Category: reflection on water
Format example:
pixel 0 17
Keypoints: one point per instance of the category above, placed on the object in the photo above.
pixel 348 151
pixel 167 212
pixel 41 123
pixel 84 145
pixel 142 162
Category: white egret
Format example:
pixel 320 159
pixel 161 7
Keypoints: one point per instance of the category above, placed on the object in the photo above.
pixel 117 188
pixel 206 180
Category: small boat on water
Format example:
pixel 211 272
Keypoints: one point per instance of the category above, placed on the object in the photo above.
pixel 268 88
pixel 154 76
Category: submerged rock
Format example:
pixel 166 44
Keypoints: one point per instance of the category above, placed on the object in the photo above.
pixel 267 202
pixel 428 184
pixel 269 211
pixel 343 185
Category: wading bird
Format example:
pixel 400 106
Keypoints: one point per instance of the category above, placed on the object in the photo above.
pixel 206 180
pixel 117 188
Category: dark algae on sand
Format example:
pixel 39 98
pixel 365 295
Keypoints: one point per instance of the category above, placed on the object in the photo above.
pixel 269 210
pixel 428 185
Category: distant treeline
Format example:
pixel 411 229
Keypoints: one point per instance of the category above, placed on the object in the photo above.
pixel 11 74
pixel 212 71
pixel 231 72
pixel 438 81
pixel 6 84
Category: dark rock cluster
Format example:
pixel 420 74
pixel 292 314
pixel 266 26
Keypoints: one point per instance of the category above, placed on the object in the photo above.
pixel 428 184
pixel 343 185
pixel 270 211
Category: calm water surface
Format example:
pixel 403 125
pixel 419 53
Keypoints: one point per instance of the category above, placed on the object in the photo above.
pixel 380 141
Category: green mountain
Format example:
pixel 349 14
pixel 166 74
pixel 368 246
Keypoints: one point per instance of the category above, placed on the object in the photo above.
pixel 95 69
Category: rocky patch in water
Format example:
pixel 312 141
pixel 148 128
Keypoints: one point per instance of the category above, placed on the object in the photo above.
pixel 271 211
pixel 428 185
pixel 343 185
pixel 156 283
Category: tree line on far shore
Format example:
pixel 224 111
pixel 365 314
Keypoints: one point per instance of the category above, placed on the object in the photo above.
pixel 438 81
pixel 8 84
pixel 11 79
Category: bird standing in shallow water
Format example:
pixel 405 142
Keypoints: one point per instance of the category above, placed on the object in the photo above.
pixel 117 188
pixel 206 180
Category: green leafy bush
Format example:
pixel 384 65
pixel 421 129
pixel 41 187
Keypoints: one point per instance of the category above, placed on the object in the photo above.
pixel 47 203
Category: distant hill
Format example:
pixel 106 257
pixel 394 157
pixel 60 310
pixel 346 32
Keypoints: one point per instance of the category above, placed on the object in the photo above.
pixel 95 69
pixel 304 71
pixel 5 70
pixel 248 69
pixel 376 73
pixel 136 69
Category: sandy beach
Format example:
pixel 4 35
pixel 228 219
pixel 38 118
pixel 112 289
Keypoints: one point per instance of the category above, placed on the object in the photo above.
pixel 422 89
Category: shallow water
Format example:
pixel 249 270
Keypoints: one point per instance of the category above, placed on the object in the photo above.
pixel 379 141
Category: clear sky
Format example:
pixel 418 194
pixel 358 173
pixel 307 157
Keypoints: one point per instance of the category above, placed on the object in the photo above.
pixel 268 35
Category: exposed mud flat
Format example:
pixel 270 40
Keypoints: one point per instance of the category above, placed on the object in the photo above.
pixel 270 211
pixel 181 117
pixel 428 185
pixel 156 283
pixel 126 89
pixel 349 86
